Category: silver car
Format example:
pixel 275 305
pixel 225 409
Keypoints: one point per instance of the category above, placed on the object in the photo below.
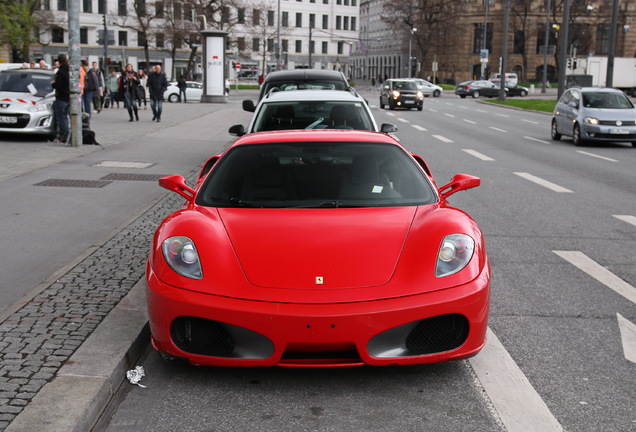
pixel 428 88
pixel 594 114
pixel 26 101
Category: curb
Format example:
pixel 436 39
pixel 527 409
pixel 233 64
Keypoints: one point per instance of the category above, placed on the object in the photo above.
pixel 83 387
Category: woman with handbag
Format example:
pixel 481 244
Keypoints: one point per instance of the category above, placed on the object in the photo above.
pixel 128 83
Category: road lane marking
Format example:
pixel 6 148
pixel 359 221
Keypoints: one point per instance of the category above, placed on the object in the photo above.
pixel 478 155
pixel 628 337
pixel 518 404
pixel 596 156
pixel 432 110
pixel 443 138
pixel 502 115
pixel 403 120
pixel 529 121
pixel 470 121
pixel 552 186
pixel 390 114
pixel 627 218
pixel 481 111
pixel 449 115
pixel 600 273
pixel 537 140
pixel 497 129
pixel 420 128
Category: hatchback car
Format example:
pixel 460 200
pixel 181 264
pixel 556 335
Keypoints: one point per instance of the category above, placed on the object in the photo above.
pixel 428 88
pixel 26 101
pixel 318 249
pixel 312 109
pixel 594 114
pixel 478 88
pixel 401 93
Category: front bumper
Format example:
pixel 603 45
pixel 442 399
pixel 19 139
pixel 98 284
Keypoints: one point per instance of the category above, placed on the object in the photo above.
pixel 211 330
pixel 28 123
pixel 608 133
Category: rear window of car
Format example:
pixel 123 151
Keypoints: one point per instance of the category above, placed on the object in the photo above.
pixel 316 175
pixel 303 84
pixel 18 82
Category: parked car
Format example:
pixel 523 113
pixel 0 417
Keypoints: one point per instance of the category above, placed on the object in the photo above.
pixel 594 114
pixel 516 90
pixel 194 91
pixel 26 101
pixel 511 78
pixel 312 109
pixel 317 249
pixel 401 93
pixel 428 88
pixel 477 88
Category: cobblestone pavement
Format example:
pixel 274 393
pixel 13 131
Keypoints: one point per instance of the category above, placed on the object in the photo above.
pixel 36 340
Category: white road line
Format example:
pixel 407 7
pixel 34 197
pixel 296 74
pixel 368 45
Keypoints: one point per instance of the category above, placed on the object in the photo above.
pixel 481 111
pixel 403 120
pixel 518 404
pixel 627 218
pixel 544 183
pixel 529 121
pixel 502 115
pixel 596 156
pixel 537 140
pixel 449 115
pixel 628 337
pixel 600 273
pixel 478 155
pixel 497 129
pixel 420 128
pixel 390 114
pixel 470 121
pixel 432 110
pixel 443 138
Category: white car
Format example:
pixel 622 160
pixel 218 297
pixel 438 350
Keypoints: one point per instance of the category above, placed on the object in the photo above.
pixel 194 90
pixel 26 101
pixel 428 88
pixel 312 109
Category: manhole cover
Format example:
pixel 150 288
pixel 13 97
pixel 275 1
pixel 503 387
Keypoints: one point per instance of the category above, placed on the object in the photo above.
pixel 133 177
pixel 74 183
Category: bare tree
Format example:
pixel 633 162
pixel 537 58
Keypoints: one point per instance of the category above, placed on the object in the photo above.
pixel 141 15
pixel 175 33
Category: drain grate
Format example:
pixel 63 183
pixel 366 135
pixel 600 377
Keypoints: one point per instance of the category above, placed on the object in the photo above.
pixel 74 183
pixel 133 177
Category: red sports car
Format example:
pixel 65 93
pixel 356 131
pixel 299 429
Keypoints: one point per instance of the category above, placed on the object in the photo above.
pixel 318 249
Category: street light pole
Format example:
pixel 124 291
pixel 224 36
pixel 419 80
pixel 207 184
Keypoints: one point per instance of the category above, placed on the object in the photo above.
pixel 74 51
pixel 544 78
pixel 413 30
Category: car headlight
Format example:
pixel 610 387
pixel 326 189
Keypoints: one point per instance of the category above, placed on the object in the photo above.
pixel 182 257
pixel 420 95
pixel 40 107
pixel 396 94
pixel 454 254
pixel 591 120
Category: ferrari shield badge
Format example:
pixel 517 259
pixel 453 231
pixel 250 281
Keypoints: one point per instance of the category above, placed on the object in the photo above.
pixel 319 280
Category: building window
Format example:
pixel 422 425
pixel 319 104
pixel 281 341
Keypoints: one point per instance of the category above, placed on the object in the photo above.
pixel 478 38
pixel 123 38
pixel 160 40
pixel 270 18
pixel 299 46
pixel 602 39
pixel 225 14
pixel 256 44
pixel 354 3
pixel 519 44
pixel 61 5
pixel 122 8
pixel 256 17
pixel 270 45
pixel 285 45
pixel 325 22
pixel 345 23
pixel 240 15
pixel 57 35
pixel 338 2
pixel 240 43
pixel 101 7
pixel 312 20
pixel 141 39
pixel 140 7
pixel 312 47
pixel 87 6
pixel 353 23
pixel 338 23
pixel 84 35
pixel 325 1
pixel 285 19
pixel 325 47
pixel 299 19
pixel 176 11
pixel 340 47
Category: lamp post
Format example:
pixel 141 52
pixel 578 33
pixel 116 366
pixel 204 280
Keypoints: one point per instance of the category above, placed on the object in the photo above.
pixel 544 77
pixel 413 30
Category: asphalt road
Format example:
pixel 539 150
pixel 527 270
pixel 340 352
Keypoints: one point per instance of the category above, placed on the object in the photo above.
pixel 560 223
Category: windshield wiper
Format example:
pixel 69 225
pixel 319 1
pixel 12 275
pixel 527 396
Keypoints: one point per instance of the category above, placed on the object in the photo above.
pixel 235 201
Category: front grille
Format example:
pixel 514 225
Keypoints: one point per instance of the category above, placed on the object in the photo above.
pixel 201 336
pixel 438 334
pixel 613 122
pixel 23 121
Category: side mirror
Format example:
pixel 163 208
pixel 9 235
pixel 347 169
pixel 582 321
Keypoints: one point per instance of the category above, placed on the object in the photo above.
pixel 238 130
pixel 388 128
pixel 176 183
pixel 459 182
pixel 248 105
pixel 573 104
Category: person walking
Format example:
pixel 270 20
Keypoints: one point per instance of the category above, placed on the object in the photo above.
pixel 62 103
pixel 128 83
pixel 98 96
pixel 91 85
pixel 182 89
pixel 112 85
pixel 157 85
pixel 141 89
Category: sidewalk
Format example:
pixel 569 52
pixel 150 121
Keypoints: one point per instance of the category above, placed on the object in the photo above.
pixel 64 352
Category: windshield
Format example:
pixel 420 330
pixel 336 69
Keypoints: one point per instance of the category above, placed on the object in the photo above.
pixel 19 82
pixel 614 100
pixel 404 85
pixel 316 175
pixel 312 115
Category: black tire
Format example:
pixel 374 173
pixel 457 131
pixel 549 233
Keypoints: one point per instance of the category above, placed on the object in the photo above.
pixel 173 98
pixel 556 136
pixel 462 96
pixel 420 108
pixel 475 94
pixel 576 136
pixel 391 107
pixel 437 93
pixel 523 93
pixel 381 104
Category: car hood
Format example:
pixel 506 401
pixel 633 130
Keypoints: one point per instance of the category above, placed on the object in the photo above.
pixel 611 114
pixel 24 98
pixel 335 248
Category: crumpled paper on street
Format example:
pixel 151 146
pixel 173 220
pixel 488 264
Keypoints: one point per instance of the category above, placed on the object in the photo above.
pixel 135 375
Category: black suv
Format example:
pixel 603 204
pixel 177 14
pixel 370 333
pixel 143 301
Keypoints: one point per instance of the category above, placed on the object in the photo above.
pixel 299 79
pixel 401 93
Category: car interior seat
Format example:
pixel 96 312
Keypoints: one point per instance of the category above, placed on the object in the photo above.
pixel 365 181
pixel 267 181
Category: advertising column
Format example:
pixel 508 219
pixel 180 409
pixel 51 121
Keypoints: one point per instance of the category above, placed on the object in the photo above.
pixel 213 66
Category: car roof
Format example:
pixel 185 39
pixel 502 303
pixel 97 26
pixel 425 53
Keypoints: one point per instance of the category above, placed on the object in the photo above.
pixel 23 70
pixel 313 135
pixel 304 74
pixel 598 89
pixel 311 95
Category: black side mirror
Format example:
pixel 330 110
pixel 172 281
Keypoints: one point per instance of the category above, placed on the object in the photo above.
pixel 248 105
pixel 238 130
pixel 388 128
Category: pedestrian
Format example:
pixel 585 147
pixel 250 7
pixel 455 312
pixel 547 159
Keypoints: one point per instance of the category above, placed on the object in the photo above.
pixel 43 65
pixel 182 89
pixel 141 89
pixel 373 83
pixel 112 85
pixel 128 83
pixel 91 85
pixel 62 103
pixel 98 96
pixel 157 85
